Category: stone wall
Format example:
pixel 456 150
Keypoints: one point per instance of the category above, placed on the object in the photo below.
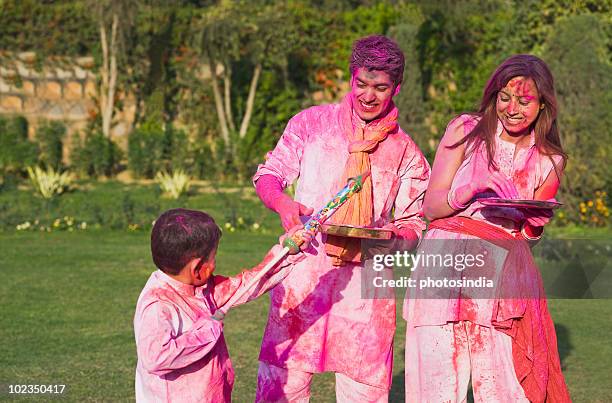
pixel 57 89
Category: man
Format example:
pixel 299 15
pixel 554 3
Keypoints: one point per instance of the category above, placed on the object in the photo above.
pixel 318 319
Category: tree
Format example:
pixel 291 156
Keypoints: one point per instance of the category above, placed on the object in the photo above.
pixel 410 99
pixel 577 53
pixel 242 33
pixel 115 19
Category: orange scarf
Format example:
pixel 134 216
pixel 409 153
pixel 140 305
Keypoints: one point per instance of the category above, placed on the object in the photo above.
pixel 359 209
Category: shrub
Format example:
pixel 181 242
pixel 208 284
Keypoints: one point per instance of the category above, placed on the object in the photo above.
pixel 95 155
pixel 583 77
pixel 49 183
pixel 115 205
pixel 152 149
pixel 592 212
pixel 16 151
pixel 175 184
pixel 49 138
pixel 203 160
pixel 146 150
pixel 177 152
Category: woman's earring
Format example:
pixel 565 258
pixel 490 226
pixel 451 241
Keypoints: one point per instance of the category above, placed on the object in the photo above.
pixel 541 106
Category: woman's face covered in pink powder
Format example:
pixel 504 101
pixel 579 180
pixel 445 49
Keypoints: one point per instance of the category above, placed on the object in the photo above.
pixel 372 93
pixel 518 105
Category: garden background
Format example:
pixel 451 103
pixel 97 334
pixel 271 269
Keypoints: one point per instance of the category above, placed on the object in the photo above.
pixel 112 111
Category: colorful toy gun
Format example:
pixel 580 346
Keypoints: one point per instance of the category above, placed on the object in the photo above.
pixel 292 244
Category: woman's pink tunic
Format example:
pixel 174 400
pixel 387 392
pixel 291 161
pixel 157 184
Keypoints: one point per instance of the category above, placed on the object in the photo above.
pixel 528 170
pixel 428 318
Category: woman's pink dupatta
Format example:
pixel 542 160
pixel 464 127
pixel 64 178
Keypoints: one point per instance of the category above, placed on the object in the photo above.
pixel 520 311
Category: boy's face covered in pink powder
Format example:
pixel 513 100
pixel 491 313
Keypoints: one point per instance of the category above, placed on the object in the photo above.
pixel 205 269
pixel 372 93
pixel 518 104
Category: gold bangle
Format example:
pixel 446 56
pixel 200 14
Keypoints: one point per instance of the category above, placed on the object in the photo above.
pixel 527 236
pixel 450 199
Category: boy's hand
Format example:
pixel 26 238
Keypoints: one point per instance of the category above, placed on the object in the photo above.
pixel 297 239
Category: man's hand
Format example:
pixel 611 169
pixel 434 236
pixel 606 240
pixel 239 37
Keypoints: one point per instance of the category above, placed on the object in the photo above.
pixel 290 211
pixel 382 246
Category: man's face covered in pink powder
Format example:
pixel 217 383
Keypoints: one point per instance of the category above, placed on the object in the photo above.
pixel 372 93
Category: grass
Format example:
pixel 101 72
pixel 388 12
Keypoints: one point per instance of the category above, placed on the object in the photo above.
pixel 68 298
pixel 68 301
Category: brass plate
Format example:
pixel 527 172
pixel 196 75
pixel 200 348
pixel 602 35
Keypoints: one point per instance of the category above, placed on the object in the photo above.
pixel 517 203
pixel 352 231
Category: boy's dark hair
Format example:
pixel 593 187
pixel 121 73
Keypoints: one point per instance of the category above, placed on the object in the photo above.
pixel 180 235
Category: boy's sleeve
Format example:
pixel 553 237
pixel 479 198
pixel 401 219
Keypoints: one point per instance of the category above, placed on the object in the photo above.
pixel 226 287
pixel 161 349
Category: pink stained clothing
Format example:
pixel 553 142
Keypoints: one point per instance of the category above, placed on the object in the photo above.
pixel 528 169
pixel 269 189
pixel 182 355
pixel 520 311
pixel 459 349
pixel 318 320
pixel 276 384
pixel 534 354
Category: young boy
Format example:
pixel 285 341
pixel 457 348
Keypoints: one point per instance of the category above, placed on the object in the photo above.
pixel 182 355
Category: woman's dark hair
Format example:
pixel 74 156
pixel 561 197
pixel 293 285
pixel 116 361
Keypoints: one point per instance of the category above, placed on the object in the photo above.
pixel 180 235
pixel 547 138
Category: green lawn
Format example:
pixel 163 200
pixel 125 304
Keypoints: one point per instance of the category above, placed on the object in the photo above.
pixel 68 299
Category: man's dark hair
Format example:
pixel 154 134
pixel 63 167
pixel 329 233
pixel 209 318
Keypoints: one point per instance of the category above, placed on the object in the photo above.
pixel 180 235
pixel 377 52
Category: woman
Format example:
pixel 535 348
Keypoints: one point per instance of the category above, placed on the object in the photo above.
pixel 503 339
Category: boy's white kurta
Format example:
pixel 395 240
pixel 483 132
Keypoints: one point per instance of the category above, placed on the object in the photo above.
pixel 182 355
pixel 318 320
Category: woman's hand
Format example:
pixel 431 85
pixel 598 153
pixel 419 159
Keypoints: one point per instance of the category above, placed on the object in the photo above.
pixel 497 182
pixel 538 217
